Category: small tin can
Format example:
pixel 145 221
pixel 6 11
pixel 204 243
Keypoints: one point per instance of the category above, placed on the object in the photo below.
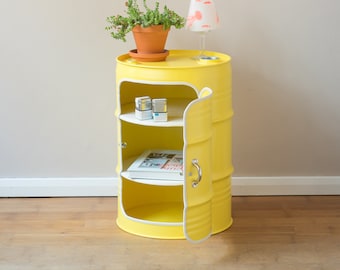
pixel 160 117
pixel 143 110
pixel 159 105
pixel 143 103
pixel 160 109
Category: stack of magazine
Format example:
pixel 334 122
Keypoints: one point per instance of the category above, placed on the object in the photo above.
pixel 158 164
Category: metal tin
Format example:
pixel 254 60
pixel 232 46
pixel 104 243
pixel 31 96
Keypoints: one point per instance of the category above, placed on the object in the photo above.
pixel 159 105
pixel 143 103
pixel 143 115
pixel 160 116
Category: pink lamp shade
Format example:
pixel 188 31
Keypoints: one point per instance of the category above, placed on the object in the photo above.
pixel 202 16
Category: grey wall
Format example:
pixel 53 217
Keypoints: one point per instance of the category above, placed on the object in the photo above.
pixel 57 85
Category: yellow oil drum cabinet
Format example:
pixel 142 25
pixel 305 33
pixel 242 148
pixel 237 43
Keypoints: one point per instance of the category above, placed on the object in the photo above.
pixel 199 113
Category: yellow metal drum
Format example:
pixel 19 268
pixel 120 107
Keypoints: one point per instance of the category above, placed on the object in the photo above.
pixel 199 99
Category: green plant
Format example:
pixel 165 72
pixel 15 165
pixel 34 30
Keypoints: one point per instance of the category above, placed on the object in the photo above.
pixel 121 25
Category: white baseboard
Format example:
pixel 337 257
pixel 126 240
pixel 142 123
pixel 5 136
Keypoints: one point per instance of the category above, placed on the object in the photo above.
pixel 58 187
pixel 241 186
pixel 286 185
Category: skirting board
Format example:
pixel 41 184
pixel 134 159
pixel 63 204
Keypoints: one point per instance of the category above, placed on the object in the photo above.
pixel 241 186
pixel 58 187
pixel 286 185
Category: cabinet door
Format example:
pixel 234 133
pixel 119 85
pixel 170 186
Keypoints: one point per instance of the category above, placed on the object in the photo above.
pixel 197 155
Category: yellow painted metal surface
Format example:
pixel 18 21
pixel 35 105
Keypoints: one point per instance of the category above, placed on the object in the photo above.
pixel 161 211
pixel 197 219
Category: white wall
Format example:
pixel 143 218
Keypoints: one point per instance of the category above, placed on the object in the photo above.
pixel 57 89
pixel 286 87
pixel 57 86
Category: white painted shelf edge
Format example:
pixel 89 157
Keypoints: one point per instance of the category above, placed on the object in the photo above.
pixel 156 182
pixel 172 121
pixel 176 108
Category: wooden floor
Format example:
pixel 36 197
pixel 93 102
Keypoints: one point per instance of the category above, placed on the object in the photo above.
pixel 293 232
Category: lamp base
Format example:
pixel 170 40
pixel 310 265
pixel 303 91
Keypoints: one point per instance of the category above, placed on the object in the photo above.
pixel 206 57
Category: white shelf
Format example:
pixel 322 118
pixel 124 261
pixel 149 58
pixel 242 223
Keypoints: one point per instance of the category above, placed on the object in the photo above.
pixel 156 182
pixel 172 121
pixel 176 108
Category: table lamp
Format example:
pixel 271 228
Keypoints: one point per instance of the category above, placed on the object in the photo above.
pixel 202 18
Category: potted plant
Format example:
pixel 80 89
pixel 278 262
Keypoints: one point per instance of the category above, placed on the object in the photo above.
pixel 152 23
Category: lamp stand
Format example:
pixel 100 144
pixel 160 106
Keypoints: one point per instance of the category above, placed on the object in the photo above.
pixel 203 38
pixel 202 55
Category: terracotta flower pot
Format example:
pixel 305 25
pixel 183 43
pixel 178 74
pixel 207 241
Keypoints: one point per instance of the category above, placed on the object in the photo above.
pixel 150 39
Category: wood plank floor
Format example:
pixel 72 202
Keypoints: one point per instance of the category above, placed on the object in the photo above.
pixel 289 232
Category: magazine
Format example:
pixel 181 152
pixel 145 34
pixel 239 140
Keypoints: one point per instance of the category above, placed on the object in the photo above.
pixel 158 164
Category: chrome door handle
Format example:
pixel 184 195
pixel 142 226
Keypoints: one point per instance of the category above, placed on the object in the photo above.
pixel 199 172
